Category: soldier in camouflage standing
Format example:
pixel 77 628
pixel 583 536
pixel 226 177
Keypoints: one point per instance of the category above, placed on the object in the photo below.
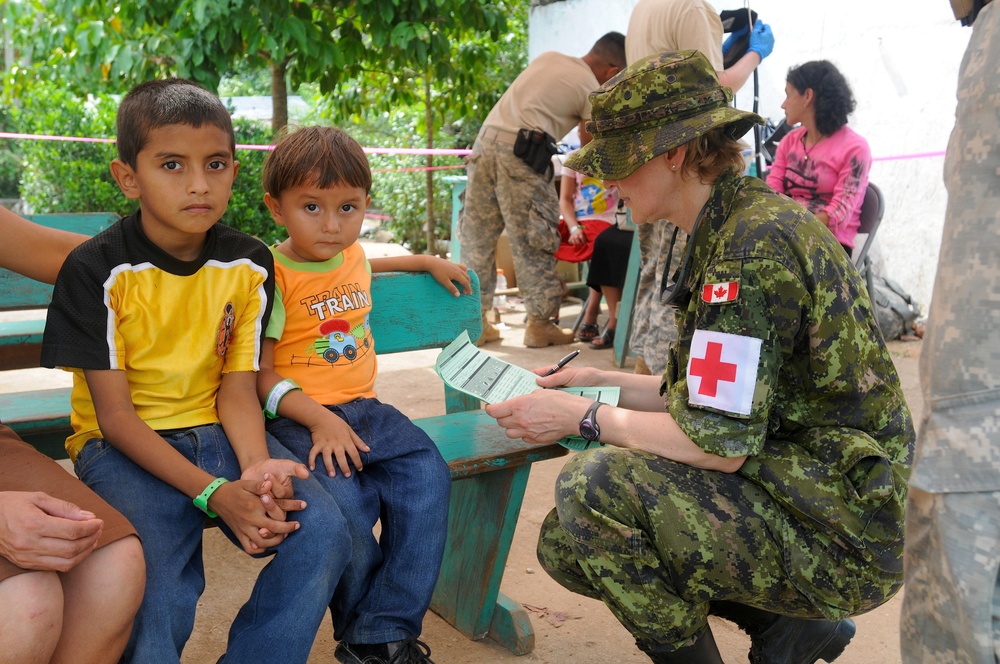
pixel 548 97
pixel 764 478
pixel 951 609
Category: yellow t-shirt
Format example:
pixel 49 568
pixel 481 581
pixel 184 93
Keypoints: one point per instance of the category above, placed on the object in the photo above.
pixel 174 327
pixel 323 340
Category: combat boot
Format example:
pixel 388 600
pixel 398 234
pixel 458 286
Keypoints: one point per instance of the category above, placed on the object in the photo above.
pixel 702 651
pixel 799 641
pixel 542 332
pixel 490 331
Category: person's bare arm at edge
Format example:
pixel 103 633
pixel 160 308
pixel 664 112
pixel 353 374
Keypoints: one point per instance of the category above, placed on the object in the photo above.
pixel 736 76
pixel 238 503
pixel 639 422
pixel 585 136
pixel 48 247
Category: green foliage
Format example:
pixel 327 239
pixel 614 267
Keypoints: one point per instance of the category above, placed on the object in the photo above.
pixel 60 176
pixel 401 194
pixel 10 158
pixel 246 210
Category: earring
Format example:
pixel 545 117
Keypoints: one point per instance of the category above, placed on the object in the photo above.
pixel 673 167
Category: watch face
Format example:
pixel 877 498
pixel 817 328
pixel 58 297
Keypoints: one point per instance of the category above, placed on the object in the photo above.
pixel 588 430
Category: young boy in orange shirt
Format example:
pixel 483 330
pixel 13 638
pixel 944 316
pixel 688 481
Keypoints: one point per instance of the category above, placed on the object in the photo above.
pixel 317 381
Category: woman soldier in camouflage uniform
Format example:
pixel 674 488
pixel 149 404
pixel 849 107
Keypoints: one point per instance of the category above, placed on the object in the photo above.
pixel 764 478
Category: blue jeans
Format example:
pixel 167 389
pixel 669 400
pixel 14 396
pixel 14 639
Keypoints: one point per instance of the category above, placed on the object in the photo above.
pixel 386 589
pixel 292 592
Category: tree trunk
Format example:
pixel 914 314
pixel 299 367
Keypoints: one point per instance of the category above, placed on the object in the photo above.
pixel 279 95
pixel 429 120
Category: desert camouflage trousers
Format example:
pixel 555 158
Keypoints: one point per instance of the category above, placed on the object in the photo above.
pixel 653 326
pixel 504 192
pixel 657 541
pixel 951 607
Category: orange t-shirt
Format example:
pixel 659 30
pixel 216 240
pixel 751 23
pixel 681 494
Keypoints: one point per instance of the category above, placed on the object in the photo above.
pixel 319 322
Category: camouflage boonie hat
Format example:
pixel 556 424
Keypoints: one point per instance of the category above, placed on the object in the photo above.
pixel 655 105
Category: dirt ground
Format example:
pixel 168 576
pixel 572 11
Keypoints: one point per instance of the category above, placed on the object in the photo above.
pixel 568 627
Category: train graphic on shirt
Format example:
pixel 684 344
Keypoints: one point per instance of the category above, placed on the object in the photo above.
pixel 339 342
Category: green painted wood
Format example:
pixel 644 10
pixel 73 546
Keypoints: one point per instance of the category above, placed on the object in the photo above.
pixel 511 626
pixel 18 292
pixel 481 523
pixel 627 305
pixel 412 311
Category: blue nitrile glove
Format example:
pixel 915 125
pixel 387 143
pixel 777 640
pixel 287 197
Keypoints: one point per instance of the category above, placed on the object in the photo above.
pixel 761 40
pixel 732 39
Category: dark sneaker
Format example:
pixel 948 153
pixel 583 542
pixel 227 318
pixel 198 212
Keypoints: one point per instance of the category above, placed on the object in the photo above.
pixel 800 641
pixel 409 651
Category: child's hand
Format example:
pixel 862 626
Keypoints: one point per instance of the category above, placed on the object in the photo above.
pixel 446 272
pixel 280 473
pixel 333 437
pixel 239 504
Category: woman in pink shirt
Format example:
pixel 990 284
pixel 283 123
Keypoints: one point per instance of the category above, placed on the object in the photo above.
pixel 822 163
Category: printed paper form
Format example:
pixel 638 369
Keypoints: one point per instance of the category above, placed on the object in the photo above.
pixel 466 368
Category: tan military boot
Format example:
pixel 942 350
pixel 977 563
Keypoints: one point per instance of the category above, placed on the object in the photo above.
pixel 490 331
pixel 542 332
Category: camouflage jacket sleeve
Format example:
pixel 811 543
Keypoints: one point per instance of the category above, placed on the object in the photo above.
pixel 779 359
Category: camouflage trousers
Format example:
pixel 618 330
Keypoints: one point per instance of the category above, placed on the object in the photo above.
pixel 504 192
pixel 657 541
pixel 951 608
pixel 653 326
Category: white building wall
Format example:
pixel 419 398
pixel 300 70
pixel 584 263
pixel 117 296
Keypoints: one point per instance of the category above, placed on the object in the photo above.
pixel 901 60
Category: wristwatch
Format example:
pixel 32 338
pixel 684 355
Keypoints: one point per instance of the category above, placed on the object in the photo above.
pixel 588 425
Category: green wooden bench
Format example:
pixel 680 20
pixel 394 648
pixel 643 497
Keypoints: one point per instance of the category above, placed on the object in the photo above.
pixel 489 471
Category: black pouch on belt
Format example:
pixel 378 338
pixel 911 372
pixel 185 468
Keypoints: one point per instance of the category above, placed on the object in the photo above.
pixel 535 148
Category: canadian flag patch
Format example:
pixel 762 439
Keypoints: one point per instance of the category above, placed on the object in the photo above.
pixel 724 292
pixel 722 371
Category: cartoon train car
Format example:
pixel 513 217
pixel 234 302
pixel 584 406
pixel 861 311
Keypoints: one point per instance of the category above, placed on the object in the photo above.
pixel 341 343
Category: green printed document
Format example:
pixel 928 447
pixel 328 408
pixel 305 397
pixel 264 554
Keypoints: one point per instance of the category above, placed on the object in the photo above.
pixel 466 368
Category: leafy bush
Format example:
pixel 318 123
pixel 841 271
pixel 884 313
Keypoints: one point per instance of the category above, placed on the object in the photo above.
pixel 10 159
pixel 62 176
pixel 401 194
pixel 247 211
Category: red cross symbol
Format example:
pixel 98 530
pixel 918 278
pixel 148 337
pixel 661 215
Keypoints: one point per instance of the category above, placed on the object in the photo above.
pixel 711 369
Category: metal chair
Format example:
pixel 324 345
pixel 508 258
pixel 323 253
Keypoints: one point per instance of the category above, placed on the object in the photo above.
pixel 872 210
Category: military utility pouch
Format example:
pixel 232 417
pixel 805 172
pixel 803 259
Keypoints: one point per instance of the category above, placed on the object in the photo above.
pixel 535 148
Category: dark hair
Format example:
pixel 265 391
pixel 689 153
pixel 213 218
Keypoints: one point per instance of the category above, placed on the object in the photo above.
pixel 325 156
pixel 161 103
pixel 834 100
pixel 611 49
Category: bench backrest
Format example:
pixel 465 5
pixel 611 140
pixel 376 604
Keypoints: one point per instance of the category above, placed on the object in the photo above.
pixel 17 292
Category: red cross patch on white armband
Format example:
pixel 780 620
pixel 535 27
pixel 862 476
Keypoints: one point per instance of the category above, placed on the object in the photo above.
pixel 722 371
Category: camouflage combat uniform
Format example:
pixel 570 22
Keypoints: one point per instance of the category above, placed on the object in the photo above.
pixel 811 525
pixel 503 191
pixel 951 609
pixel 653 326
